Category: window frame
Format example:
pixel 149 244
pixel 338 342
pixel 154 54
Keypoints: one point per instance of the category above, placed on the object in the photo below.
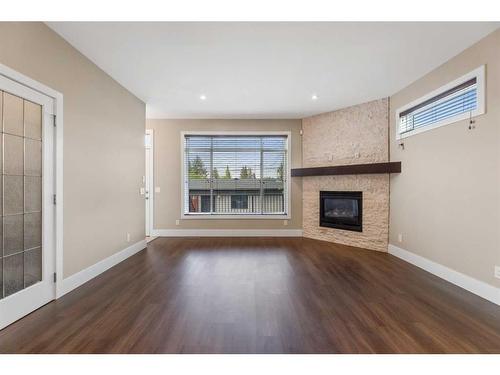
pixel 265 216
pixel 478 73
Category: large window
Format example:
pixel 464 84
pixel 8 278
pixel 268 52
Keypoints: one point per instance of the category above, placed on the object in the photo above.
pixel 458 100
pixel 234 174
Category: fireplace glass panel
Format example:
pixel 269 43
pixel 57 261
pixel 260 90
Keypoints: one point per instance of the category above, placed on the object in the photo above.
pixel 341 209
pixel 345 208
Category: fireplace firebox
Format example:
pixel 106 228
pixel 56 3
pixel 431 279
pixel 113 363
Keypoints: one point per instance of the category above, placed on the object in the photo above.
pixel 341 210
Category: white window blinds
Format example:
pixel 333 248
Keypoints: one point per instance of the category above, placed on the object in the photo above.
pixel 450 105
pixel 235 174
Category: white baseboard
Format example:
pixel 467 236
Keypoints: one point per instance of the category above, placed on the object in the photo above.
pixel 227 232
pixel 74 281
pixel 150 238
pixel 482 289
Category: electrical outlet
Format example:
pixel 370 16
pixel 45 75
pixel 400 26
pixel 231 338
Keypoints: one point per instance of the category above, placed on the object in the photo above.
pixel 285 222
pixel 177 222
pixel 400 237
pixel 497 272
pixel 128 237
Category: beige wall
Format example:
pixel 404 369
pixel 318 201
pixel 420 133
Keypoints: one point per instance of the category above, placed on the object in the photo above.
pixel 354 135
pixel 446 202
pixel 167 160
pixel 103 143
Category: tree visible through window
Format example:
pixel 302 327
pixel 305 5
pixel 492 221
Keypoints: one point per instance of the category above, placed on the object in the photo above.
pixel 235 174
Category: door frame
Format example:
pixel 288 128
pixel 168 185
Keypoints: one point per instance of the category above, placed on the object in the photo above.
pixel 58 97
pixel 149 180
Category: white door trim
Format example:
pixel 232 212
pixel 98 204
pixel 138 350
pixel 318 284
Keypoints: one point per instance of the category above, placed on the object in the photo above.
pixel 15 76
pixel 150 183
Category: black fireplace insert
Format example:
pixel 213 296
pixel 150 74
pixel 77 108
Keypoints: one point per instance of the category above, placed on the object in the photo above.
pixel 341 210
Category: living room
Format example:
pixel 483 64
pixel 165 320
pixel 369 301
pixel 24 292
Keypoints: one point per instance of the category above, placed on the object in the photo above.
pixel 250 187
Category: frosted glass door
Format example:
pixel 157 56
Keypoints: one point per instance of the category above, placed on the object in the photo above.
pixel 27 199
pixel 21 194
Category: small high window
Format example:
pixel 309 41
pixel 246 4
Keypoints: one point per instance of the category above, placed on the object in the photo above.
pixel 458 100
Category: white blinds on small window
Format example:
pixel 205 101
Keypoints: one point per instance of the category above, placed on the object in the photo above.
pixel 235 174
pixel 456 101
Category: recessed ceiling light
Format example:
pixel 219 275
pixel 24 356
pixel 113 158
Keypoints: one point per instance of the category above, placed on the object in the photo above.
pixel 314 97
pixel 203 97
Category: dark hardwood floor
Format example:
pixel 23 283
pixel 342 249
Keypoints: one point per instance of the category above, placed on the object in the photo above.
pixel 260 295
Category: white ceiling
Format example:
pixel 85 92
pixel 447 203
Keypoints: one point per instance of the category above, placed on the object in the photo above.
pixel 265 70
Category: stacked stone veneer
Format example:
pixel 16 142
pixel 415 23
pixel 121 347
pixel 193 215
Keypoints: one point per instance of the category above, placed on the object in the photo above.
pixel 353 135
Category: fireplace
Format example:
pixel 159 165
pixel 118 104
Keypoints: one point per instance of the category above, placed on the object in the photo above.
pixel 341 210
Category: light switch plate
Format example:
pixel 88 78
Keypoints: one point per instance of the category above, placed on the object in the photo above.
pixel 142 191
pixel 157 189
pixel 497 272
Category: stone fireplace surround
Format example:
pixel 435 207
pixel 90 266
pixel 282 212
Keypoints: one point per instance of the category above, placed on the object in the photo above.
pixel 352 135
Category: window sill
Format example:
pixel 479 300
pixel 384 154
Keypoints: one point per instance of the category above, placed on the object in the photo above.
pixel 235 217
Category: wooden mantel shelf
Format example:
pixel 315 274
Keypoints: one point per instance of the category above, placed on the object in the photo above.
pixel 371 168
